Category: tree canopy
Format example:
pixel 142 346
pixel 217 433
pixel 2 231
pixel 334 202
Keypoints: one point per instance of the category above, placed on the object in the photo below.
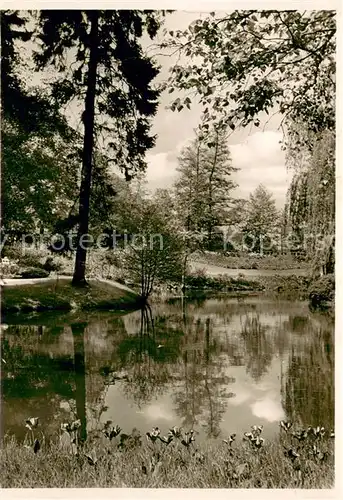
pixel 204 186
pixel 247 62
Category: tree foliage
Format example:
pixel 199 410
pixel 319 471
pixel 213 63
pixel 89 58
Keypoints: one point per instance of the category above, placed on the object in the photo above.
pixel 311 204
pixel 32 110
pixel 125 98
pixel 149 245
pixel 249 62
pixel 203 189
pixel 33 196
pixel 261 216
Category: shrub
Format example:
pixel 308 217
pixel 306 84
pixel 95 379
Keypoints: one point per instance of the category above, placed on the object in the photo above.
pixel 34 272
pixel 8 267
pixel 322 290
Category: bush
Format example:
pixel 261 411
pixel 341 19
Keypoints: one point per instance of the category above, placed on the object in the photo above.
pixel 221 283
pixel 8 267
pixel 27 257
pixel 34 272
pixel 322 290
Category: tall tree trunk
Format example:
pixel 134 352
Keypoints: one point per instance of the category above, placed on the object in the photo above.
pixel 88 145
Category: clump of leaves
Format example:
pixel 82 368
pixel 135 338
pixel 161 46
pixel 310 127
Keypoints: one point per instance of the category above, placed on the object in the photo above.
pixel 31 423
pixel 322 290
pixel 254 437
pixel 111 432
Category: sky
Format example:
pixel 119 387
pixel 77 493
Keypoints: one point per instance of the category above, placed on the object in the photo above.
pixel 256 153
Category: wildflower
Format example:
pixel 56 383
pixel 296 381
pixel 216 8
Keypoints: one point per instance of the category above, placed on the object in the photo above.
pixel 332 434
pixel 301 435
pixel 257 441
pixel 31 423
pixel 318 432
pixel 291 454
pixel 166 439
pixel 112 432
pixel 248 436
pixel 285 425
pixel 175 431
pixel 154 434
pixel 71 427
pixel 257 429
pixel 189 438
pixel 230 439
pixel 318 454
pixel 75 425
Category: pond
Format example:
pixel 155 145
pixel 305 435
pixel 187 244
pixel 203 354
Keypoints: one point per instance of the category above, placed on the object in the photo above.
pixel 217 365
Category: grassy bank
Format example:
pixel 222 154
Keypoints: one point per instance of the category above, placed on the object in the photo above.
pixel 287 285
pixel 256 261
pixel 126 461
pixel 59 295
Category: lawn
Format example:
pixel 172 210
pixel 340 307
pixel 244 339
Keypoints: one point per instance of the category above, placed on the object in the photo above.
pixel 59 294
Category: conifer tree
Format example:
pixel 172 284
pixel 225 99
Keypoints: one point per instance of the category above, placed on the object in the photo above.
pixel 101 63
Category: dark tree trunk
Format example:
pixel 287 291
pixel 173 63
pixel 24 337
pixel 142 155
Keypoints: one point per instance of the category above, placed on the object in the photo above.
pixel 88 144
pixel 78 330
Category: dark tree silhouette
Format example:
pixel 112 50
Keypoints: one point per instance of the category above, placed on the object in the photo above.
pixel 113 78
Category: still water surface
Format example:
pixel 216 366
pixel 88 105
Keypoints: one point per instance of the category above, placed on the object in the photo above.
pixel 219 366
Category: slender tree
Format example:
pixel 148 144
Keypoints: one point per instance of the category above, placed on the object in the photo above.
pixel 203 189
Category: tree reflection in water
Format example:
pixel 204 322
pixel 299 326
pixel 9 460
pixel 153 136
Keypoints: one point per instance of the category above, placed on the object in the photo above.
pixel 308 386
pixel 33 381
pixel 147 358
pixel 201 397
pixel 259 349
pixel 78 330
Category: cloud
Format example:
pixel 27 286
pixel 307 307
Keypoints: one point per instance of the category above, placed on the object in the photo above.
pixel 261 161
pixel 161 171
pixel 268 409
pixel 158 412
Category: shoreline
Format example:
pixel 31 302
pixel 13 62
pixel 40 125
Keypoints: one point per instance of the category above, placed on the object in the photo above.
pixel 57 294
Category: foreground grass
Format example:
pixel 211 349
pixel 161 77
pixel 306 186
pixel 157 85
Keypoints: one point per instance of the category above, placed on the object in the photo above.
pixel 129 463
pixel 60 295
